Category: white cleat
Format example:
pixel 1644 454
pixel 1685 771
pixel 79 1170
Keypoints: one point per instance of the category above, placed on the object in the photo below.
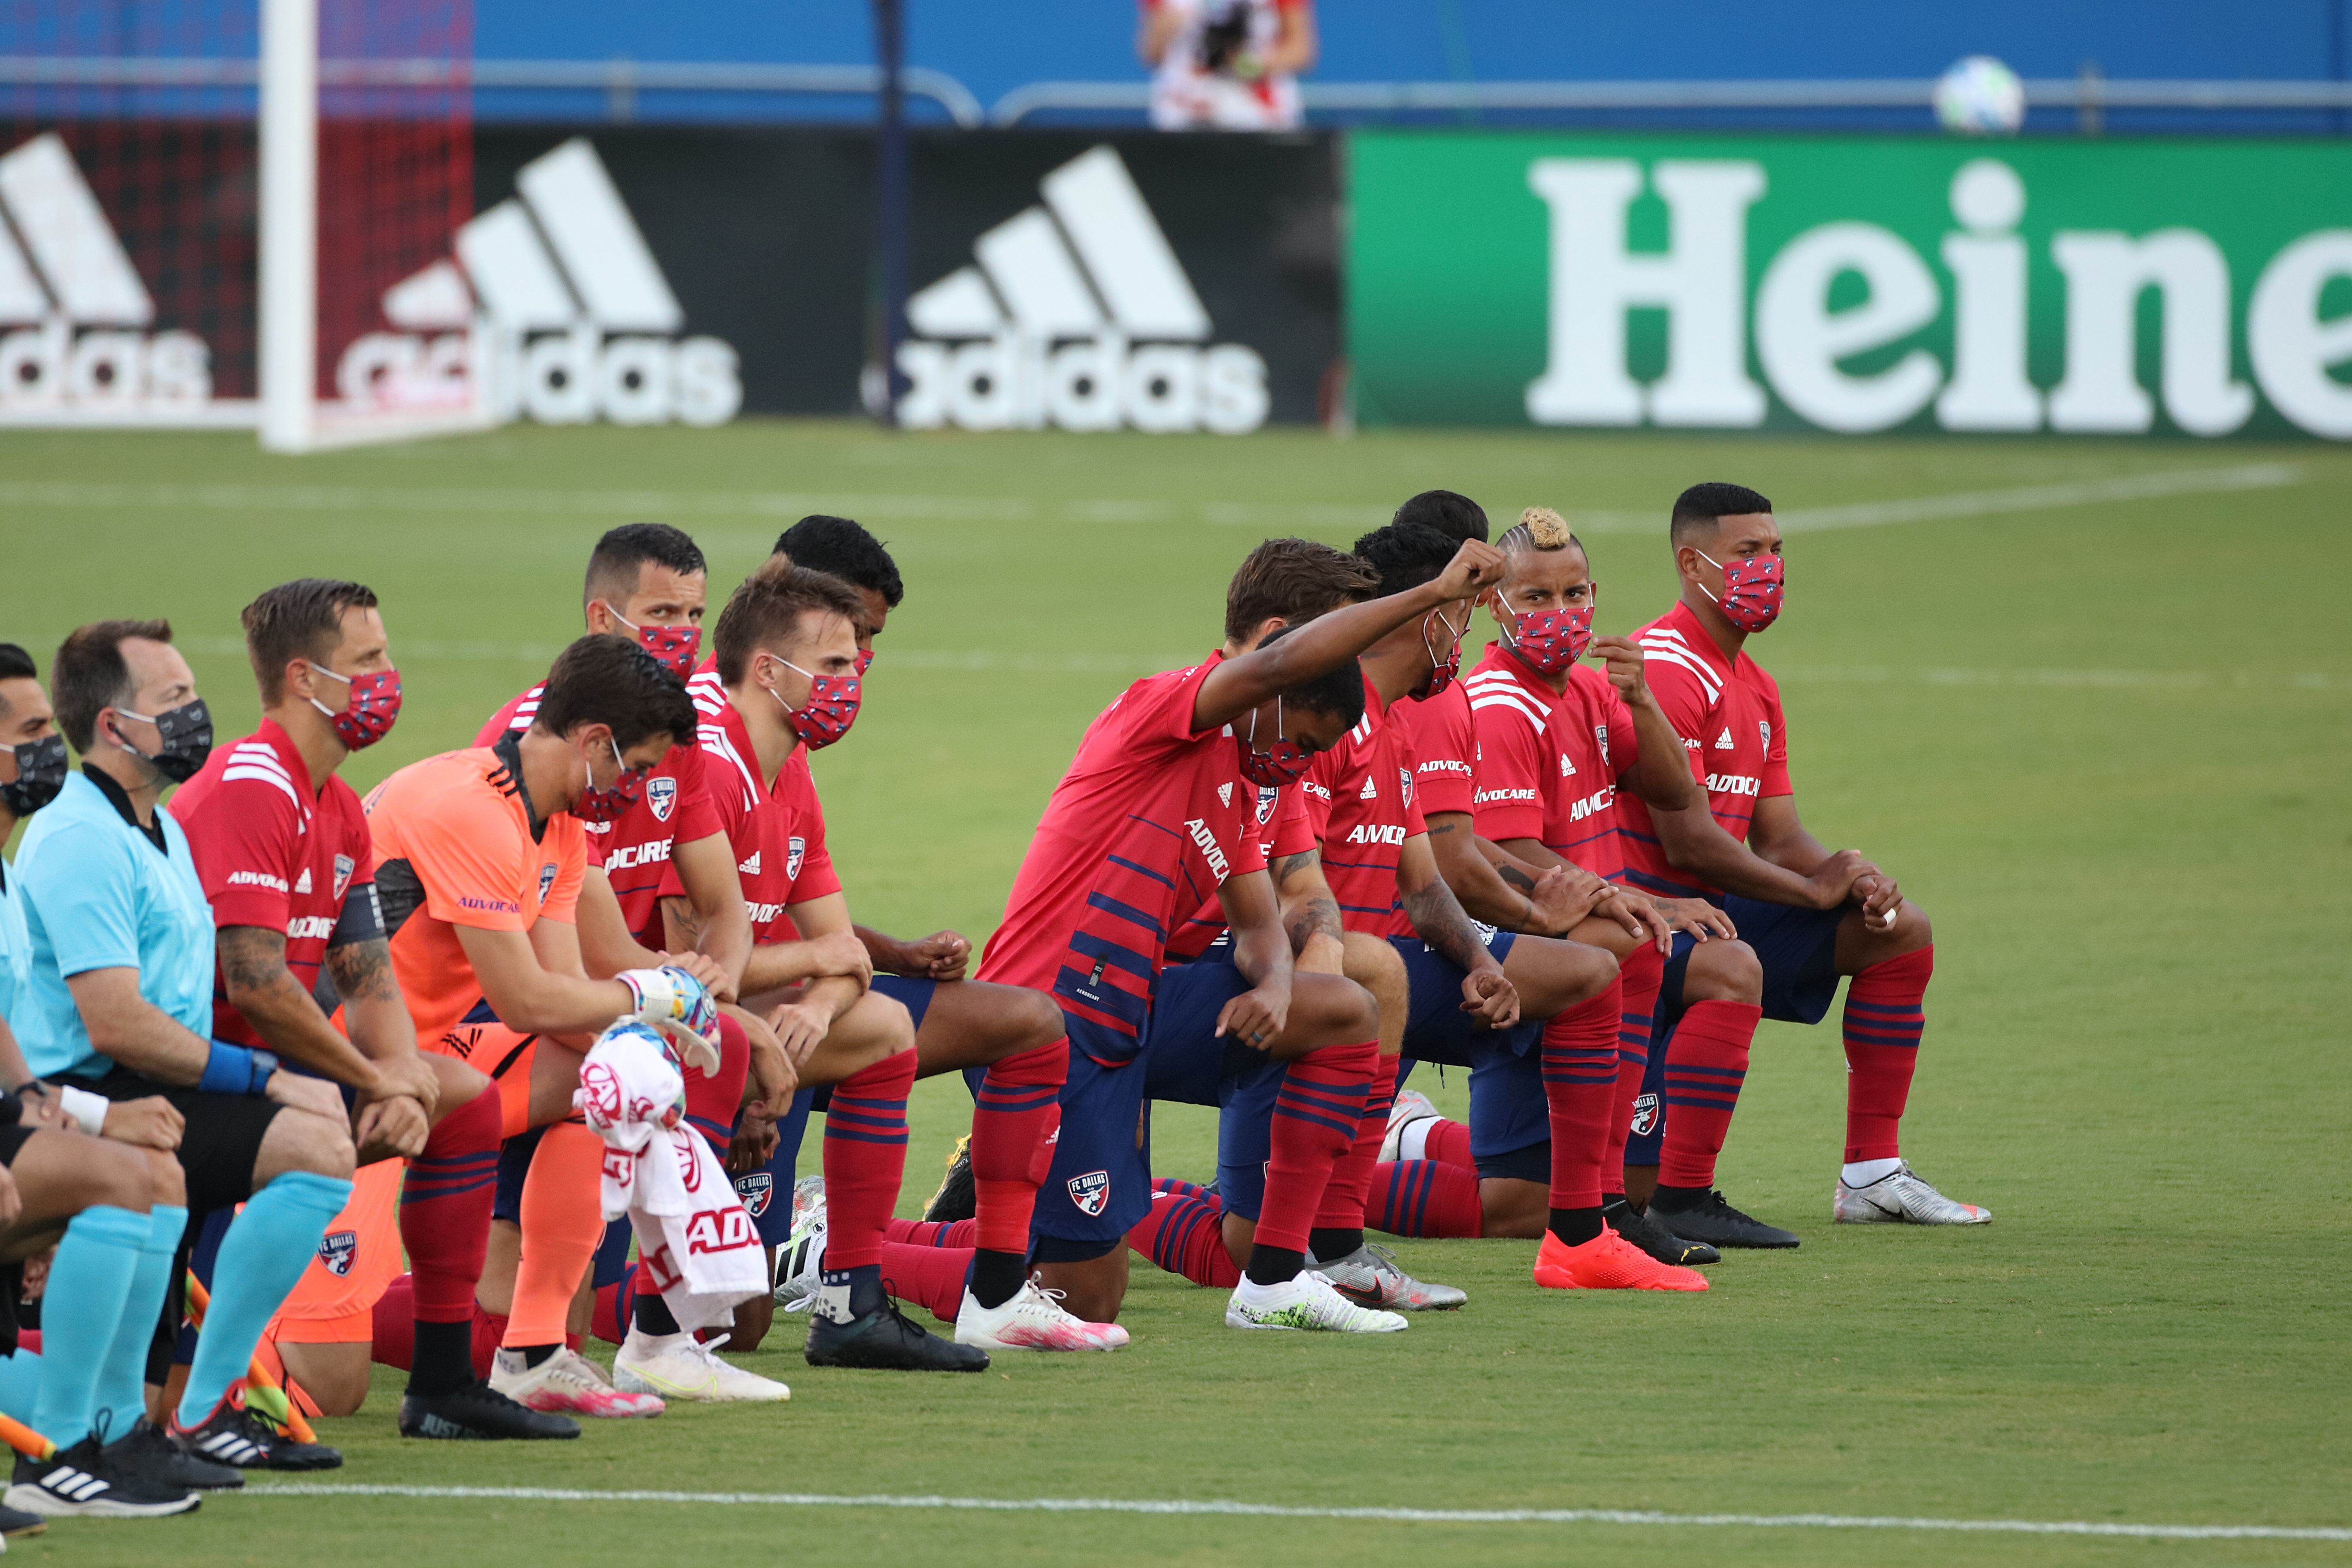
pixel 802 1257
pixel 1308 1302
pixel 568 1383
pixel 1410 1106
pixel 1032 1318
pixel 1900 1197
pixel 1372 1276
pixel 677 1366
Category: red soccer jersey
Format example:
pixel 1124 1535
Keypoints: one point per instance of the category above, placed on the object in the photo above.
pixel 635 851
pixel 1275 806
pixel 1550 762
pixel 273 854
pixel 1727 712
pixel 1146 824
pixel 1443 741
pixel 1358 799
pixel 777 835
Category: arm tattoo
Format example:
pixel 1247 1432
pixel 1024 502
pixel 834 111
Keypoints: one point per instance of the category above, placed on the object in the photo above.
pixel 1518 881
pixel 688 919
pixel 1440 829
pixel 1437 917
pixel 1289 866
pixel 362 971
pixel 252 958
pixel 1316 917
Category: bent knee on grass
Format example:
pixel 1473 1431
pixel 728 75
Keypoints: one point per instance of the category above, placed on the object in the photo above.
pixel 1510 1208
pixel 1092 1290
pixel 335 1376
pixel 1551 975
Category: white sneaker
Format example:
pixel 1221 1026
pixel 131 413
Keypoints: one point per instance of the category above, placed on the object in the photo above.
pixel 1410 1106
pixel 801 1259
pixel 682 1367
pixel 1900 1197
pixel 1306 1302
pixel 1032 1318
pixel 568 1383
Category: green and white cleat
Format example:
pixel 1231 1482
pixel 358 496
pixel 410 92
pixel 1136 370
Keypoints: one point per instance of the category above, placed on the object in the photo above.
pixel 1309 1302
pixel 1370 1277
pixel 802 1257
pixel 1900 1197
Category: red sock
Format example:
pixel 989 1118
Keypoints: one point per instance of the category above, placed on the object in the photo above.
pixel 712 1100
pixel 489 1330
pixel 1449 1141
pixel 1351 1177
pixel 396 1325
pixel 932 1275
pixel 615 1304
pixel 444 1209
pixel 1425 1197
pixel 865 1158
pixel 562 1225
pixel 1580 1083
pixel 933 1232
pixel 1317 1114
pixel 1882 1021
pixel 1641 972
pixel 1185 1235
pixel 1014 1117
pixel 1707 1061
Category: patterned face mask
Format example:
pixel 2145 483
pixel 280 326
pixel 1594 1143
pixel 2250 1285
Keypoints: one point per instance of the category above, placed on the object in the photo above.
pixel 1279 764
pixel 1443 666
pixel 187 734
pixel 612 804
pixel 1548 640
pixel 674 646
pixel 830 710
pixel 41 773
pixel 1751 589
pixel 374 704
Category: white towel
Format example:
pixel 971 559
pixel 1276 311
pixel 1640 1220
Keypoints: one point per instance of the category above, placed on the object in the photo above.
pixel 696 1245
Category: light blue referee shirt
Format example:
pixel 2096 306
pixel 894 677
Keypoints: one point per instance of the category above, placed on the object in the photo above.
pixel 98 892
pixel 16 952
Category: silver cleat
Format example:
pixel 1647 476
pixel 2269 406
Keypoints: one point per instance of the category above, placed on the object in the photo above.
pixel 1410 1106
pixel 1370 1277
pixel 801 1258
pixel 1900 1197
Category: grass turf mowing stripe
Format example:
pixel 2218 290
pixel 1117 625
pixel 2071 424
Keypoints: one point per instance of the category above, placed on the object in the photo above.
pixel 1279 1511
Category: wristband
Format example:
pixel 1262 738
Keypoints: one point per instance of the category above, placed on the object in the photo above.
pixel 233 1069
pixel 87 1109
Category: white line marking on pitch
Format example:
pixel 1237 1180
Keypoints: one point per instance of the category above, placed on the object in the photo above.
pixel 984 508
pixel 1278 1511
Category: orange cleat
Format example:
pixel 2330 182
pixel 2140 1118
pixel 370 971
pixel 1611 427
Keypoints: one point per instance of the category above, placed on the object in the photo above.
pixel 1608 1262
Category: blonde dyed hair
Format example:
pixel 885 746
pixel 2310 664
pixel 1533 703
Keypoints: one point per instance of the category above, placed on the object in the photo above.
pixel 1539 528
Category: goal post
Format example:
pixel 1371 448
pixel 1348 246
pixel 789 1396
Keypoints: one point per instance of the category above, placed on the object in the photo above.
pixel 289 293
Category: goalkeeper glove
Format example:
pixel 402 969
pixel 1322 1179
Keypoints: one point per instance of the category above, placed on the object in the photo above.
pixel 676 1003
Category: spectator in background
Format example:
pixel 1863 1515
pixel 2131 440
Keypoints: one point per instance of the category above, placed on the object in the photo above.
pixel 1226 65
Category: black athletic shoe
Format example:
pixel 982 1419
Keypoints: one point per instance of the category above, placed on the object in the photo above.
pixel 955 1199
pixel 1644 1232
pixel 78 1482
pixel 885 1338
pixel 155 1460
pixel 479 1411
pixel 231 1436
pixel 15 1523
pixel 1710 1219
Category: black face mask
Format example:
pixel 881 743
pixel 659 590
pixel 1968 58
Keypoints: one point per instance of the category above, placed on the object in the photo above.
pixel 187 732
pixel 41 773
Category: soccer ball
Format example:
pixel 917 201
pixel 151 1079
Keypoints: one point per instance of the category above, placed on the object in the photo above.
pixel 1980 97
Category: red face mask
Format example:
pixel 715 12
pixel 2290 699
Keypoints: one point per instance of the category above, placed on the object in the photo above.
pixel 611 805
pixel 1752 585
pixel 1279 764
pixel 1549 641
pixel 374 704
pixel 1446 665
pixel 865 660
pixel 674 646
pixel 830 710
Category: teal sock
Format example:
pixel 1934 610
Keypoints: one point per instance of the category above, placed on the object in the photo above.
pixel 20 1386
pixel 122 1397
pixel 83 1305
pixel 261 1260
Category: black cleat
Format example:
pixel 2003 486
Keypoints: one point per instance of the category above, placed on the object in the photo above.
pixel 15 1523
pixel 1710 1219
pixel 886 1340
pixel 78 1482
pixel 1644 1232
pixel 956 1198
pixel 478 1412
pixel 155 1460
pixel 232 1436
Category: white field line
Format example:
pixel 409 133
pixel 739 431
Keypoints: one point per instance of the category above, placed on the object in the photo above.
pixel 1219 1508
pixel 1274 515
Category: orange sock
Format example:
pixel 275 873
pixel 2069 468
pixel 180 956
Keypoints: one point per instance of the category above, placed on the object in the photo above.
pixel 562 1224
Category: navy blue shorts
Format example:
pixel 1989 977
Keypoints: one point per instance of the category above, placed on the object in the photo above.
pixel 1510 1128
pixel 1100 1183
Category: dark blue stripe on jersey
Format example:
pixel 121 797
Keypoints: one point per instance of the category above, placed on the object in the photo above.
pixel 1146 871
pixel 1649 884
pixel 1113 955
pixel 1124 1006
pixel 1111 906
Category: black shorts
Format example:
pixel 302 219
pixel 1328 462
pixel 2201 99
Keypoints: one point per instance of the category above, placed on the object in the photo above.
pixel 221 1141
pixel 12 1141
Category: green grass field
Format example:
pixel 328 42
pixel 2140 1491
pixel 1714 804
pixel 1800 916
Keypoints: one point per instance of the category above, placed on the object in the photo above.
pixel 2095 740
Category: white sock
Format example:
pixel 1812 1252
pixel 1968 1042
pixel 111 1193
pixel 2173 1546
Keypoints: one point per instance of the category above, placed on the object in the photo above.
pixel 1412 1143
pixel 1862 1173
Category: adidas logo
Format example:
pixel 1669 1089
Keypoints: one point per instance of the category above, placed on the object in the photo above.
pixel 1723 742
pixel 1371 791
pixel 302 882
pixel 78 1486
pixel 1075 313
pixel 553 307
pixel 80 309
pixel 1567 768
pixel 751 868
pixel 1225 793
